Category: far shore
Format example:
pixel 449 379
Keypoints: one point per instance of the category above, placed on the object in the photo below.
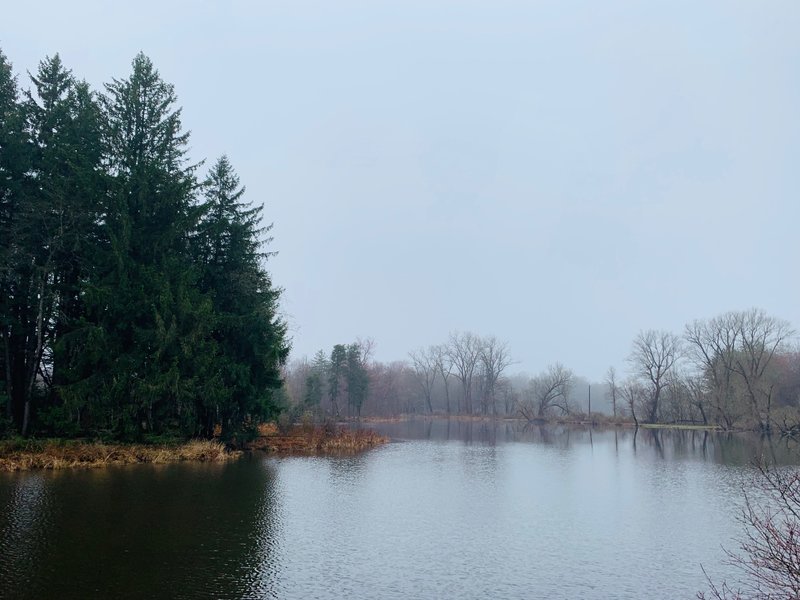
pixel 596 420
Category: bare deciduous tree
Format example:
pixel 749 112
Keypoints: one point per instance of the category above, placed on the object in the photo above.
pixel 464 350
pixel 653 356
pixel 425 371
pixel 494 359
pixel 510 396
pixel 734 354
pixel 634 395
pixel 760 336
pixel 444 365
pixel 390 389
pixel 546 391
pixel 698 395
pixel 769 553
pixel 366 348
pixel 712 348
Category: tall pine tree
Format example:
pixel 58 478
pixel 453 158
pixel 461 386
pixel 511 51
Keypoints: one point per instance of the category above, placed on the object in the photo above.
pixel 133 355
pixel 251 337
pixel 62 226
pixel 14 168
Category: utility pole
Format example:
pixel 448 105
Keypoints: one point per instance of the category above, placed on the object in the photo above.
pixel 590 400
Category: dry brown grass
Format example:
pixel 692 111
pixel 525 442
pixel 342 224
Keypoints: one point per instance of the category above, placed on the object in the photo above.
pixel 64 455
pixel 306 441
pixel 267 429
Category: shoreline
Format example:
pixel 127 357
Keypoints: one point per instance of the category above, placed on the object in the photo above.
pixel 299 440
pixel 302 440
pixel 57 454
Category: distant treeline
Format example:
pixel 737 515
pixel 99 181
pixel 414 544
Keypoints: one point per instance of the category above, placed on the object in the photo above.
pixel 467 374
pixel 133 295
pixel 736 371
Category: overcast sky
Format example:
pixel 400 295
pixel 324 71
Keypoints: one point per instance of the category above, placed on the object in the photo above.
pixel 559 174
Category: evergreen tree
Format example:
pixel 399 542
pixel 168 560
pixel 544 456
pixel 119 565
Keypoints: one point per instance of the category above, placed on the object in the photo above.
pixel 250 336
pixel 357 378
pixel 312 397
pixel 14 167
pixel 337 372
pixel 136 355
pixel 315 381
pixel 62 232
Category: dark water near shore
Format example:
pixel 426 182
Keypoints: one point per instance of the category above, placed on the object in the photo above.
pixel 454 510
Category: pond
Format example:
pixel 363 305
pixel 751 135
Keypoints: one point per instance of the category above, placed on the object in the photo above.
pixel 451 509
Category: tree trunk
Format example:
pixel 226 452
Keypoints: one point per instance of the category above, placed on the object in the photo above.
pixel 26 417
pixel 654 410
pixel 9 382
pixel 703 414
pixel 34 360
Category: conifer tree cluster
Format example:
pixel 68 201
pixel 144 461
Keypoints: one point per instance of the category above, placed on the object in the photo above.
pixel 133 295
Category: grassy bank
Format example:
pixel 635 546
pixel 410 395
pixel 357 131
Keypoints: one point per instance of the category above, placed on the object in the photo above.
pixel 309 441
pixel 23 455
pixel 684 426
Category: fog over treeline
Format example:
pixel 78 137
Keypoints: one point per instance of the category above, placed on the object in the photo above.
pixel 740 369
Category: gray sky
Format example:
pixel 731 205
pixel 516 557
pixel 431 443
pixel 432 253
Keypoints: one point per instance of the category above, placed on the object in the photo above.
pixel 559 174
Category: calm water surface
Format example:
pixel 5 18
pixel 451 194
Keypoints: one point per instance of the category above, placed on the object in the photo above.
pixel 451 510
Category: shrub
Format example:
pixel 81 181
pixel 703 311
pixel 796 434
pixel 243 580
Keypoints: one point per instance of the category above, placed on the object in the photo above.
pixel 769 551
